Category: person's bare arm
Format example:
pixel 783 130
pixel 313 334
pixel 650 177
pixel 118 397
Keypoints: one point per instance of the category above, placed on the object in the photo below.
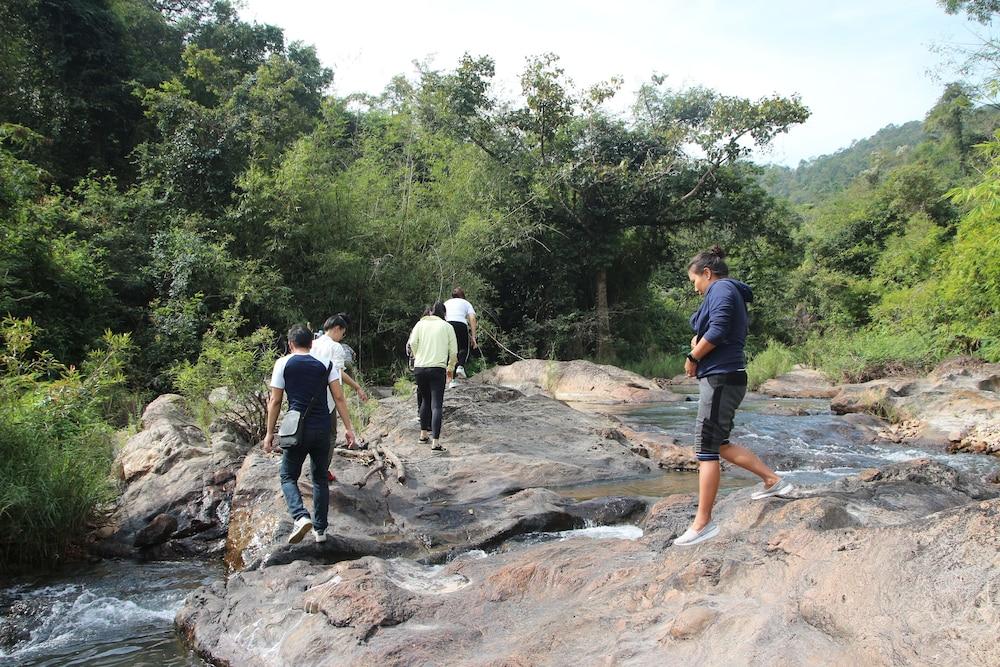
pixel 699 352
pixel 472 330
pixel 349 381
pixel 273 408
pixel 345 415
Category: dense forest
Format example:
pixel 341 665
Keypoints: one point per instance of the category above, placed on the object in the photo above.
pixel 178 186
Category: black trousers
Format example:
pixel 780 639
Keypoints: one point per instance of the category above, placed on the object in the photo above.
pixel 430 398
pixel 462 335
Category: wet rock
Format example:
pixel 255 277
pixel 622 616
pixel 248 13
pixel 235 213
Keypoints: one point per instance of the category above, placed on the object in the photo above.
pixel 872 397
pixel 172 468
pixel 800 382
pixel 796 581
pixel 661 449
pixel 957 405
pixel 577 381
pixel 156 531
pixel 502 447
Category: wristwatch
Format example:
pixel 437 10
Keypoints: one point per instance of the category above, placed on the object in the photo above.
pixel 692 358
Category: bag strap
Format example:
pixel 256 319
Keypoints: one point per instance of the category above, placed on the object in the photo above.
pixel 329 367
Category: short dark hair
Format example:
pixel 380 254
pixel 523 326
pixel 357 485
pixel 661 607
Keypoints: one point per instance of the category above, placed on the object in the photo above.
pixel 439 310
pixel 458 293
pixel 339 320
pixel 710 259
pixel 300 336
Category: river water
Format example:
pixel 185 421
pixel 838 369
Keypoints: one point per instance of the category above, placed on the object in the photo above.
pixel 111 614
pixel 120 614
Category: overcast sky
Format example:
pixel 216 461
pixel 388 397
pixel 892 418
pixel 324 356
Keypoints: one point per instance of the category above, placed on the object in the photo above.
pixel 857 64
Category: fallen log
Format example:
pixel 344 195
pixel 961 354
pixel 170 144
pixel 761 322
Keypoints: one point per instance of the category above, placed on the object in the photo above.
pixel 362 455
pixel 374 471
pixel 395 461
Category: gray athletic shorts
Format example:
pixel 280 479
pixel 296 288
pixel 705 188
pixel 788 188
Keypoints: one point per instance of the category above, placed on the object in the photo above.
pixel 718 398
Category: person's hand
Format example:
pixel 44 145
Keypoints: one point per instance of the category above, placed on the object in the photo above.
pixel 350 439
pixel 269 443
pixel 690 368
pixel 362 395
pixel 694 341
pixel 475 345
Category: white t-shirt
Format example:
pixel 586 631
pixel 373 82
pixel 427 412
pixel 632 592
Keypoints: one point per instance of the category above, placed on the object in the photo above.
pixel 326 350
pixel 458 310
pixel 278 374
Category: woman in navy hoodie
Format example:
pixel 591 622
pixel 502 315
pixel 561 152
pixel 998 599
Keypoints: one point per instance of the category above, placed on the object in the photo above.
pixel 718 361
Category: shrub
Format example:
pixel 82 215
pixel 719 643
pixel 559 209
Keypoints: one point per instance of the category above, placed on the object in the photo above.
pixel 240 364
pixel 55 446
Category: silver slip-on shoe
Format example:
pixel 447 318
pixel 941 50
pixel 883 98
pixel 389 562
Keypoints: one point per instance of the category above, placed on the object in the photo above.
pixel 692 536
pixel 780 488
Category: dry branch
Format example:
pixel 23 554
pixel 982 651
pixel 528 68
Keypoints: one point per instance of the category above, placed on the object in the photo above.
pixel 395 461
pixel 374 471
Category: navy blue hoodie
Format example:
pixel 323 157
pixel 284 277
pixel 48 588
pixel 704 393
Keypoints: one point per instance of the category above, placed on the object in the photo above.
pixel 722 319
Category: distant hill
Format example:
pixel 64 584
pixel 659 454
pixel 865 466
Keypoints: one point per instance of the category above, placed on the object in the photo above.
pixel 813 180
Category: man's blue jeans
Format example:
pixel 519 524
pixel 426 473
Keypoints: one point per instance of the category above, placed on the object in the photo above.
pixel 315 445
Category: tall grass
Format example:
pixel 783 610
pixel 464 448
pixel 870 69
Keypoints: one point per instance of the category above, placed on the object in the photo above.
pixel 871 354
pixel 658 365
pixel 404 387
pixel 771 362
pixel 55 445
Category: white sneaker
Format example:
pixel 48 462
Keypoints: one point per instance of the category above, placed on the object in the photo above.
pixel 460 372
pixel 692 536
pixel 319 535
pixel 452 384
pixel 302 526
pixel 779 488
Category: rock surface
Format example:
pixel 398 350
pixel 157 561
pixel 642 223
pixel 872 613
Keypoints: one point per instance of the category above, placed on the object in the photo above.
pixel 897 566
pixel 800 382
pixel 577 381
pixel 177 487
pixel 959 402
pixel 502 446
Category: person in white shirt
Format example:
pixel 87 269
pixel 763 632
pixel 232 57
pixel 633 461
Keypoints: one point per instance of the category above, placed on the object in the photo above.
pixel 462 317
pixel 328 348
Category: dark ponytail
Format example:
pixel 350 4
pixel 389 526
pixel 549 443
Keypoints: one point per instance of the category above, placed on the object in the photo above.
pixel 711 259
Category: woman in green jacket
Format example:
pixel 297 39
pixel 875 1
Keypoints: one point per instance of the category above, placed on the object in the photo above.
pixel 434 349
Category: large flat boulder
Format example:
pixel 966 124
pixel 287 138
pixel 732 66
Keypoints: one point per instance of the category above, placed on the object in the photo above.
pixel 958 403
pixel 502 448
pixel 894 566
pixel 800 382
pixel 577 381
pixel 178 482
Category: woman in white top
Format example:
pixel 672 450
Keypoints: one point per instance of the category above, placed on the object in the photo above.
pixel 327 348
pixel 462 317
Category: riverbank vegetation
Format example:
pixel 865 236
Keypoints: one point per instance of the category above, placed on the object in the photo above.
pixel 170 171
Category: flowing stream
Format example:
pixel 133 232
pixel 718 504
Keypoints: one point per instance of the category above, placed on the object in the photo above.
pixel 120 613
pixel 114 613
